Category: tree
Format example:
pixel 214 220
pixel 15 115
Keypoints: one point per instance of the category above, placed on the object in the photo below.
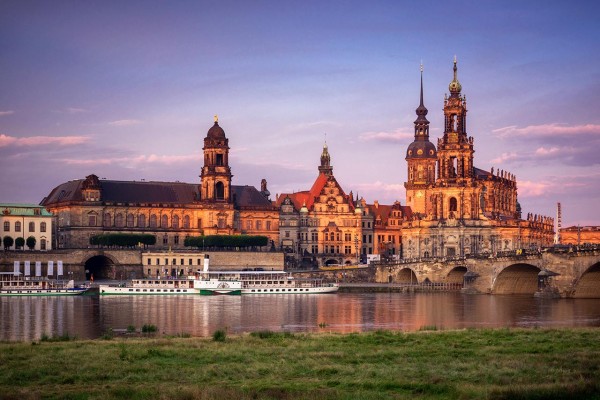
pixel 19 242
pixel 31 242
pixel 7 242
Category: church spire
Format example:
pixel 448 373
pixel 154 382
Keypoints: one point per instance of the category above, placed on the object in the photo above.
pixel 455 86
pixel 421 123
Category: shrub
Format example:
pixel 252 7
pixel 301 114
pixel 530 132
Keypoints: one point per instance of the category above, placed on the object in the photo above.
pixel 220 335
pixel 19 242
pixel 149 328
pixel 7 242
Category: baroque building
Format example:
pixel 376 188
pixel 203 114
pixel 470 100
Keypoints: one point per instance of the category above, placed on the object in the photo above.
pixel 457 208
pixel 324 225
pixel 169 210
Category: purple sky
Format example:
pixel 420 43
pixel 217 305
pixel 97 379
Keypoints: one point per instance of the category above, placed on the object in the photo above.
pixel 127 90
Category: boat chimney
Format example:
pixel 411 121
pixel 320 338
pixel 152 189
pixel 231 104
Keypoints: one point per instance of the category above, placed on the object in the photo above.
pixel 206 257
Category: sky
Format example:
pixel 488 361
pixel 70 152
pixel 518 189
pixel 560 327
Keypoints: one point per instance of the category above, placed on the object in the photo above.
pixel 127 90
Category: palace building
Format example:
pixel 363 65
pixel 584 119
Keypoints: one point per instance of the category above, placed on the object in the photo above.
pixel 457 208
pixel 169 210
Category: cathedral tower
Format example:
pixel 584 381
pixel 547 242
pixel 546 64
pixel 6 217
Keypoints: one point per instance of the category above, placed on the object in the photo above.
pixel 421 158
pixel 455 149
pixel 216 174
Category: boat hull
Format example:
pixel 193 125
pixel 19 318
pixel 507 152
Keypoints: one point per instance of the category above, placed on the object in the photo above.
pixel 293 290
pixel 105 290
pixel 43 292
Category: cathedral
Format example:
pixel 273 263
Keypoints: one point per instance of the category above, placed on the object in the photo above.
pixel 457 208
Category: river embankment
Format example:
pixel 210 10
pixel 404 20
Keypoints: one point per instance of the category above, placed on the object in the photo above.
pixel 462 364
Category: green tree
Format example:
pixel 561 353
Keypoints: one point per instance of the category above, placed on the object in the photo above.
pixel 31 242
pixel 19 242
pixel 7 242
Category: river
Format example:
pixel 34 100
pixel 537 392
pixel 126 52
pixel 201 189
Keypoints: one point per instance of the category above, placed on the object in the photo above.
pixel 89 317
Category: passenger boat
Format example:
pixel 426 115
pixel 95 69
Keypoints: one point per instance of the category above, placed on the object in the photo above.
pixel 204 285
pixel 18 285
pixel 276 282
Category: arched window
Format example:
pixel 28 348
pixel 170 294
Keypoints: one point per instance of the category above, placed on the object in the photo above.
pixel 141 221
pixel 119 220
pixel 153 221
pixel 6 226
pixel 219 191
pixel 32 227
pixel 42 244
pixel 453 204
pixel 130 219
pixel 107 220
pixel 164 221
pixel 18 226
pixel 43 227
pixel 175 222
pixel 186 221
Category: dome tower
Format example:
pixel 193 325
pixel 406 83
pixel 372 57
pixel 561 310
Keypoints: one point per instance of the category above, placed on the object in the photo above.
pixel 421 157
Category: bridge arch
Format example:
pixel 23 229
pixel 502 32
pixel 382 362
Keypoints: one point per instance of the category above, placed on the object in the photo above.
pixel 517 279
pixel 588 286
pixel 100 267
pixel 405 275
pixel 456 275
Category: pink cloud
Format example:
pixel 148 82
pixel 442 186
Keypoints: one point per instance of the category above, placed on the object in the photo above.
pixel 3 113
pixel 125 122
pixel 505 157
pixel 134 161
pixel 399 135
pixel 534 189
pixel 548 130
pixel 34 141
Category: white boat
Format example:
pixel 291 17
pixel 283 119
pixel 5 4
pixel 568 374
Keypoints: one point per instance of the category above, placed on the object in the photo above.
pixel 275 282
pixel 18 285
pixel 165 286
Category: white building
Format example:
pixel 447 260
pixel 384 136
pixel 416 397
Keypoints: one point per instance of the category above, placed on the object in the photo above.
pixel 26 221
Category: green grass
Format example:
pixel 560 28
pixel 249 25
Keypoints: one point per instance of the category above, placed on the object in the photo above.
pixel 469 364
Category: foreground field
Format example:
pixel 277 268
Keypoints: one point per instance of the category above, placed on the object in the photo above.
pixel 471 364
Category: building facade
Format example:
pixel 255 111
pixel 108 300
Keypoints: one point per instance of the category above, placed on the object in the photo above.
pixel 26 221
pixel 169 210
pixel 324 225
pixel 457 208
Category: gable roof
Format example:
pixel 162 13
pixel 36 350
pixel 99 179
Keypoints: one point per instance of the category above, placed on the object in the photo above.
pixel 308 197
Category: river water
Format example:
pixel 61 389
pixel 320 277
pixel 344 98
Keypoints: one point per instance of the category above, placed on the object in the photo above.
pixel 28 318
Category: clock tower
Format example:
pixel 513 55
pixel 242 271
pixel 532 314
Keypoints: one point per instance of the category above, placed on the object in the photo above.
pixel 420 157
pixel 216 173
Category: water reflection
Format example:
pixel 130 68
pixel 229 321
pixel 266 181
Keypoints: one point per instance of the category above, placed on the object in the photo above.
pixel 28 318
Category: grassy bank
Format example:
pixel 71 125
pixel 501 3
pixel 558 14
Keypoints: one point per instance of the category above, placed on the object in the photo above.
pixel 471 364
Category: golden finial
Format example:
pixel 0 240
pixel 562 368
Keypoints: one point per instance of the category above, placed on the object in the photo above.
pixel 421 65
pixel 216 118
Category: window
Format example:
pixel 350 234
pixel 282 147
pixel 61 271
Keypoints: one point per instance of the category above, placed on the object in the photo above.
pixel 153 221
pixel 6 226
pixel 186 222
pixel 287 234
pixel 221 223
pixel 249 225
pixel 42 244
pixel 32 227
pixel 149 263
pixel 18 226
pixel 92 221
pixel 164 221
pixel 119 220
pixel 107 220
pixel 268 225
pixel 165 239
pixel 258 225
pixel 175 222
pixel 314 236
pixel 453 204
pixel 220 191
pixel 176 241
pixel 130 220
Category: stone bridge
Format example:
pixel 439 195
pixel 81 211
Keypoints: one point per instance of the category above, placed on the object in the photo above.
pixel 571 273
